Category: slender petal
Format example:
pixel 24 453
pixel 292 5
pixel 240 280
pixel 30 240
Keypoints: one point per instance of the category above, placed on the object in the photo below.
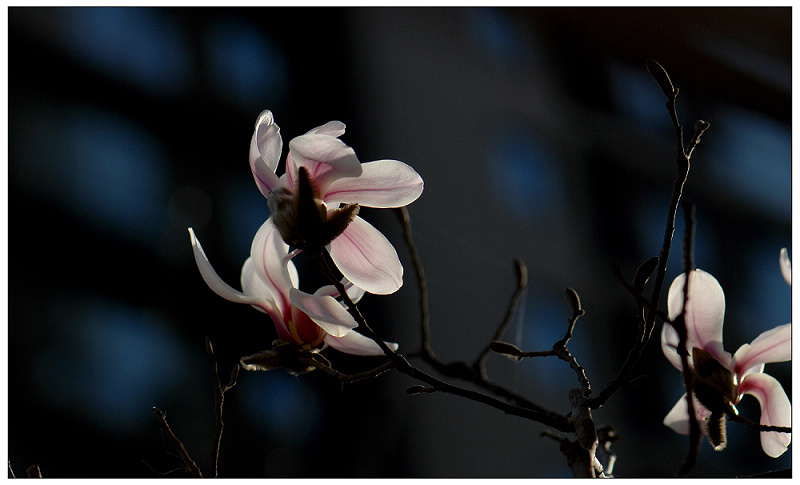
pixel 383 183
pixel 786 266
pixel 325 311
pixel 265 153
pixel 325 157
pixel 221 288
pixel 356 344
pixel 771 346
pixel 268 252
pixel 776 410
pixel 331 128
pixel 704 315
pixel 367 258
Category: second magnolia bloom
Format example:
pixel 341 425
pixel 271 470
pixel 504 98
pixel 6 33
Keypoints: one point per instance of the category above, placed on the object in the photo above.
pixel 322 173
pixel 269 283
pixel 722 379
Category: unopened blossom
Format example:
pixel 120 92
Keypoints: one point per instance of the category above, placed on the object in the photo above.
pixel 269 283
pixel 315 203
pixel 721 380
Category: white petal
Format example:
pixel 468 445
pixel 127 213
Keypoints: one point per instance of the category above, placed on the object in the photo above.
pixel 786 266
pixel 326 158
pixel 325 311
pixel 331 128
pixel 669 345
pixel 268 252
pixel 771 346
pixel 678 417
pixel 265 153
pixel 354 292
pixel 383 183
pixel 705 312
pixel 221 288
pixel 356 344
pixel 367 258
pixel 776 410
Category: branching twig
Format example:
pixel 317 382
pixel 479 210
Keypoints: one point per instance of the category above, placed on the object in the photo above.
pixel 682 157
pixel 187 460
pixel 460 370
pixel 219 395
pixel 522 285
pixel 551 419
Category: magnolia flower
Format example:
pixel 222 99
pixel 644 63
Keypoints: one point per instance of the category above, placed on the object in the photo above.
pixel 322 173
pixel 721 380
pixel 269 283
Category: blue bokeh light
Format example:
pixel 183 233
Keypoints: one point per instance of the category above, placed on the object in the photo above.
pixel 130 44
pixel 111 362
pixel 750 157
pixel 245 66
pixel 281 405
pixel 100 166
pixel 524 177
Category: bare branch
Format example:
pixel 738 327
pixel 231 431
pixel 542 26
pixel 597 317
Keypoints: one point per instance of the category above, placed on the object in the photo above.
pixel 187 460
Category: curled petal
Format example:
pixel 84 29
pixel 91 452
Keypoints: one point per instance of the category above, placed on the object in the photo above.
pixel 354 292
pixel 325 311
pixel 367 258
pixel 356 344
pixel 705 312
pixel 771 346
pixel 221 288
pixel 776 410
pixel 786 266
pixel 325 157
pixel 265 153
pixel 383 183
pixel 268 253
pixel 331 128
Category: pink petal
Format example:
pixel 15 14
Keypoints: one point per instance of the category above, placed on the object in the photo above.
pixel 268 252
pixel 331 128
pixel 771 346
pixel 367 258
pixel 776 410
pixel 356 344
pixel 326 158
pixel 786 266
pixel 265 153
pixel 325 311
pixel 383 183
pixel 221 288
pixel 705 312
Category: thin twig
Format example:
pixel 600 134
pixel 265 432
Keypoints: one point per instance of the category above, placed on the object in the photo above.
pixel 457 369
pixel 756 426
pixel 682 157
pixel 187 460
pixel 522 285
pixel 551 419
pixel 219 399
pixel 695 436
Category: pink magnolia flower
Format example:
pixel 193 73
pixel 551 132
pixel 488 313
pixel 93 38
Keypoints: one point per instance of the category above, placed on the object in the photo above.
pixel 322 172
pixel 721 379
pixel 269 283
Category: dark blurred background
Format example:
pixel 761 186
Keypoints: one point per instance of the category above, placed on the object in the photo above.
pixel 539 135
